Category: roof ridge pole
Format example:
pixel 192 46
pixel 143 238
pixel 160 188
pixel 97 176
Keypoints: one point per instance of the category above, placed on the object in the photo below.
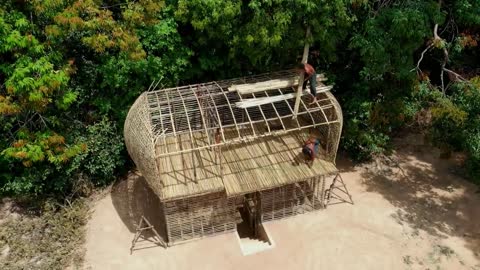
pixel 290 107
pixel 302 76
pixel 201 107
pixel 276 112
pixel 231 110
pixel 246 111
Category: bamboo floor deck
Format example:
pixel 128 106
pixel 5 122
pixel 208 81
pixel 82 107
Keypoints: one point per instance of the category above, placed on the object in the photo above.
pixel 245 167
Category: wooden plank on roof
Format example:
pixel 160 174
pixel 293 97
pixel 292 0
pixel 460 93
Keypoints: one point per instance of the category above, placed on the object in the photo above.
pixel 252 102
pixel 273 84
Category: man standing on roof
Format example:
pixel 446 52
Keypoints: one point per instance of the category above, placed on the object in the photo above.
pixel 309 75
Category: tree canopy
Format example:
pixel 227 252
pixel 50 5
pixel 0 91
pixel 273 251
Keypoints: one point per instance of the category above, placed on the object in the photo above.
pixel 70 69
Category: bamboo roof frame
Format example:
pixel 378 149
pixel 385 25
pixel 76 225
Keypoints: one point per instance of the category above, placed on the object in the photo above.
pixel 214 89
pixel 180 125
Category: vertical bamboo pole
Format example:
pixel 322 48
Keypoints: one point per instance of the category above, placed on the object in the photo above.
pixel 322 194
pixel 302 77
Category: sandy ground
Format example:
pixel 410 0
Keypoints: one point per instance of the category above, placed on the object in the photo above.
pixel 410 212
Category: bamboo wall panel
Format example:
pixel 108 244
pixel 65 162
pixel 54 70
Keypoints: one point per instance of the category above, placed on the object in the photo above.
pixel 200 216
pixel 292 199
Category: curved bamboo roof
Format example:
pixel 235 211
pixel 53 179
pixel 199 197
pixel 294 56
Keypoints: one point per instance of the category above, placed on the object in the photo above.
pixel 228 135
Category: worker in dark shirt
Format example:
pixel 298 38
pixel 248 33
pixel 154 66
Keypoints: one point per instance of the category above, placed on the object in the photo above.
pixel 309 76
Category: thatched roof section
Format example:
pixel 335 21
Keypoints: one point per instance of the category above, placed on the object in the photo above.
pixel 193 140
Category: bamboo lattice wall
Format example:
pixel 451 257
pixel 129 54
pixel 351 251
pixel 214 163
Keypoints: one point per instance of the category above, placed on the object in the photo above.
pixel 212 214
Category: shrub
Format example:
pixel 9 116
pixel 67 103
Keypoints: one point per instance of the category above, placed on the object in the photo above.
pixel 361 139
pixel 448 123
pixel 472 146
pixel 456 124
pixel 104 153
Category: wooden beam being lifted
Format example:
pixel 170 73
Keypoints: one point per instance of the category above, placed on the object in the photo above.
pixel 300 85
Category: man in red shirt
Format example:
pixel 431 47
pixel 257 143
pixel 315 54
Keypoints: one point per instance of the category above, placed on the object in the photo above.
pixel 310 150
pixel 309 76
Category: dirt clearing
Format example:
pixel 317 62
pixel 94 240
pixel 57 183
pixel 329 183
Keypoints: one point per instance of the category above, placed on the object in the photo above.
pixel 410 212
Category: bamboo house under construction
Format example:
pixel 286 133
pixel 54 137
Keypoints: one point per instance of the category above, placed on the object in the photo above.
pixel 212 150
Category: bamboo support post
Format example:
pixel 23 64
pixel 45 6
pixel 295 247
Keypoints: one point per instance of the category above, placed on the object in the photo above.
pixel 218 115
pixel 263 115
pixel 161 119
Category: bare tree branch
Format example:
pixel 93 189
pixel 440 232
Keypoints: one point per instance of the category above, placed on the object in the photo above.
pixel 437 38
pixel 381 4
pixel 458 77
pixel 441 78
pixel 439 43
pixel 43 121
pixel 421 58
pixel 435 32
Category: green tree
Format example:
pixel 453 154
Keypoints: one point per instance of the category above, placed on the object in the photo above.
pixel 70 69
pixel 34 90
pixel 256 36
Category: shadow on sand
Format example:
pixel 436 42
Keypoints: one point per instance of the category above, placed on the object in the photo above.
pixel 429 196
pixel 132 197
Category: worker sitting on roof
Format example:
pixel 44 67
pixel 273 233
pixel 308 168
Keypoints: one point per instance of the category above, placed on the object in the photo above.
pixel 310 150
pixel 309 75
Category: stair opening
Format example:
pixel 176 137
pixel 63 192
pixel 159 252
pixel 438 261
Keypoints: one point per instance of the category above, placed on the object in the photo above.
pixel 244 228
pixel 252 235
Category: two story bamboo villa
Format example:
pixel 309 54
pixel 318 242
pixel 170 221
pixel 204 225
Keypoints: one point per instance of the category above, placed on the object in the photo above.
pixel 212 150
